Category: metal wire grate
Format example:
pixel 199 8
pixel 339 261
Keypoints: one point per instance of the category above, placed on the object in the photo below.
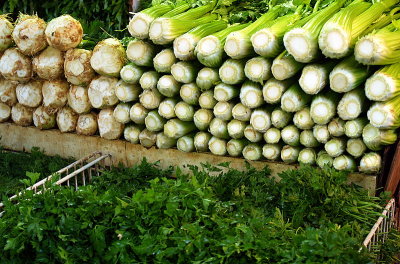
pixel 78 173
pixel 379 232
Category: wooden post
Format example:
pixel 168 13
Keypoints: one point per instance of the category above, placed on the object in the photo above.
pixel 393 178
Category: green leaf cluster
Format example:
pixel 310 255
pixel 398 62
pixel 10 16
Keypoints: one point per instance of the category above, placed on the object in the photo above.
pixel 212 215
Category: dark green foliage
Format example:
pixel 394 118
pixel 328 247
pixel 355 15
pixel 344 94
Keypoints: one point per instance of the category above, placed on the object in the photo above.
pixel 213 215
pixel 99 19
pixel 15 165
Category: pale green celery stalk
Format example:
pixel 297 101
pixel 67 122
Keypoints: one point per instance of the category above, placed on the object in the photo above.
pixel 223 110
pixel 217 146
pixel 168 86
pixel 268 41
pixel 150 99
pixel 166 30
pixel 184 72
pixel 190 93
pixel 335 39
pixel 384 84
pixel 315 77
pixel 335 147
pixel 252 152
pixel 375 138
pixel 164 60
pixel 352 104
pixel 280 118
pixel 202 118
pixel 177 22
pixel 164 142
pixel 236 146
pixel 302 119
pixel 258 69
pixel 291 135
pixel 323 107
pixel 272 151
pixel 206 100
pixel 236 129
pixel 131 73
pixel 140 23
pixel 302 42
pixel 149 80
pixel 131 133
pixel 238 43
pixel 344 162
pixel 232 71
pixel 184 111
pixel 347 75
pixel 121 113
pixel 290 154
pixel 336 127
pixel 261 120
pixel 166 108
pixel 154 122
pixel 354 128
pixel 241 112
pixel 251 94
pixel 323 159
pixel 294 99
pixel 308 140
pixel 371 162
pixel 176 128
pixel 184 45
pixel 380 47
pixel 285 66
pixel 225 92
pixel 210 49
pixel 127 92
pixel 385 115
pixel 274 89
pixel 365 19
pixel 252 135
pixel 186 143
pixel 219 128
pixel 207 78
pixel 356 147
pixel 307 156
pixel 141 53
pixel 138 113
pixel 321 133
pixel 272 135
pixel 147 138
pixel 201 140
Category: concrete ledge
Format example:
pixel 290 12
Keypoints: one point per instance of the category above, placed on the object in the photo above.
pixel 53 142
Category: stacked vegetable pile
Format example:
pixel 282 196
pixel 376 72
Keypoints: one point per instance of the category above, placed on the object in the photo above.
pixel 313 84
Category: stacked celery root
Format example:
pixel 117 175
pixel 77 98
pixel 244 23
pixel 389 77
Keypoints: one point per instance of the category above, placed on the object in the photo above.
pixel 315 85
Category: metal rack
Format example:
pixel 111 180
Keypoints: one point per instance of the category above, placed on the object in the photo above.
pixel 78 173
pixel 379 232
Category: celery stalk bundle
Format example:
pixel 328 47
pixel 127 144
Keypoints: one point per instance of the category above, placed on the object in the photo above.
pixel 382 46
pixel 336 35
pixel 302 42
pixel 238 43
pixel 165 30
pixel 384 84
pixel 267 42
pixel 184 45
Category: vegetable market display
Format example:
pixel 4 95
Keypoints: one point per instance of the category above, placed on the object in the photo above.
pixel 315 84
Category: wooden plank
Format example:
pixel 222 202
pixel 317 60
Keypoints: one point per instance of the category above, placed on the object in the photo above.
pixel 393 179
pixel 53 142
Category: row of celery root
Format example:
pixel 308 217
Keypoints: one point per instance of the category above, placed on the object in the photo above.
pixel 300 84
